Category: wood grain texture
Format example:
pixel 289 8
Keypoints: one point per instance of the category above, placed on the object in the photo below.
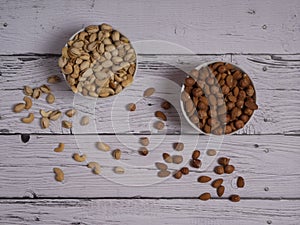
pixel 202 26
pixel 278 101
pixel 268 163
pixel 147 211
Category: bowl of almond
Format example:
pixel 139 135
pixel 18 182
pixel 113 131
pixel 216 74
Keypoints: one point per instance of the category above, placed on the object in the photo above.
pixel 98 61
pixel 218 98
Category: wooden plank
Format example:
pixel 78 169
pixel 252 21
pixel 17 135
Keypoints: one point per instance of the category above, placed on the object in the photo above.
pixel 275 77
pixel 147 211
pixel 268 163
pixel 203 27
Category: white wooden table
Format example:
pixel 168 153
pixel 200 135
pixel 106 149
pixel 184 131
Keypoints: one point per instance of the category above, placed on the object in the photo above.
pixel 263 37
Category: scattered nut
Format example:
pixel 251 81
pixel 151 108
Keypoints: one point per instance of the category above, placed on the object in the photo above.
pixel 234 198
pixel 59 174
pixel 211 152
pixel 79 158
pixel 161 115
pixel 217 183
pixel 117 154
pixel 219 169
pixel 36 93
pixel 53 79
pixel 103 146
pixel 84 121
pixel 196 154
pixel 71 112
pixel 177 159
pixel 28 102
pixel 45 89
pixel 143 151
pixel 144 141
pixel 185 170
pixel 240 182
pixel 223 161
pixel 161 166
pixel 50 98
pixel 55 115
pixel 66 124
pixel 131 107
pixel 220 191
pixel 167 157
pixel 159 125
pixel 119 170
pixel 95 167
pixel 204 179
pixel 178 174
pixel 163 173
pixel 27 90
pixel 19 107
pixel 44 113
pixel 45 123
pixel 60 148
pixel 178 146
pixel 148 92
pixel 196 163
pixel 229 169
pixel 205 196
pixel 28 119
pixel 166 105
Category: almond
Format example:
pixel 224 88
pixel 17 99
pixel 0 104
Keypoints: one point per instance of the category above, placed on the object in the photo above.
pixel 217 183
pixel 219 169
pixel 229 169
pixel 235 198
pixel 220 191
pixel 161 115
pixel 240 182
pixel 204 179
pixel 223 161
pixel 205 196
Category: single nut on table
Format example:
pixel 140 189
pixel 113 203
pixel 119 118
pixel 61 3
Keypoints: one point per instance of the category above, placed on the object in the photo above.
pixel 98 62
pixel 45 123
pixel 143 151
pixel 220 191
pixel 50 98
pixel 60 148
pixel 229 169
pixel 167 157
pixel 211 152
pixel 66 124
pixel 178 174
pixel 84 121
pixel 204 179
pixel 28 102
pixel 103 146
pixel 59 174
pixel 71 112
pixel 53 79
pixel 28 119
pixel 219 169
pixel 223 161
pixel 161 115
pixel 240 182
pixel 217 183
pixel 234 198
pixel 19 107
pixel 161 166
pixel 148 92
pixel 27 90
pixel 36 93
pixel 166 105
pixel 205 196
pixel 196 163
pixel 159 125
pixel 163 173
pixel 117 154
pixel 185 170
pixel 144 141
pixel 96 169
pixel 119 170
pixel 196 154
pixel 178 146
pixel 79 158
pixel 131 107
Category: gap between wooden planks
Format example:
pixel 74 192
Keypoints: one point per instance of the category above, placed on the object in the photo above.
pixel 275 77
pixel 269 164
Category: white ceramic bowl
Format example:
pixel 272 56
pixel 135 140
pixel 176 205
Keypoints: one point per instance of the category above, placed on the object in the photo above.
pixel 183 108
pixel 64 75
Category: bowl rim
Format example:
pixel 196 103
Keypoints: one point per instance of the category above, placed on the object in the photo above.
pixel 182 104
pixel 110 96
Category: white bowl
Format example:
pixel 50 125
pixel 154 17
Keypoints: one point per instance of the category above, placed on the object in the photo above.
pixel 183 108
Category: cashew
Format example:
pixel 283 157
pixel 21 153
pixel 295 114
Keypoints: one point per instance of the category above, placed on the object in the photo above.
pixel 95 167
pixel 28 102
pixel 71 112
pixel 45 89
pixel 79 158
pixel 19 107
pixel 45 123
pixel 59 174
pixel 55 115
pixel 44 113
pixel 60 148
pixel 103 146
pixel 50 98
pixel 66 124
pixel 28 119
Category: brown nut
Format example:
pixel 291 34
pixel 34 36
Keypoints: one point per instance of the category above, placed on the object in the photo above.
pixel 229 169
pixel 167 157
pixel 131 107
pixel 217 183
pixel 205 196
pixel 178 146
pixel 116 154
pixel 219 169
pixel 220 191
pixel 161 115
pixel 196 163
pixel 143 151
pixel 204 179
pixel 185 170
pixel 234 198
pixel 166 105
pixel 240 182
pixel 196 154
pixel 223 161
pixel 177 175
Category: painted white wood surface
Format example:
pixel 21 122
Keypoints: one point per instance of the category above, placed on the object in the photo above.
pixel 202 26
pixel 149 211
pixel 268 163
pixel 276 79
